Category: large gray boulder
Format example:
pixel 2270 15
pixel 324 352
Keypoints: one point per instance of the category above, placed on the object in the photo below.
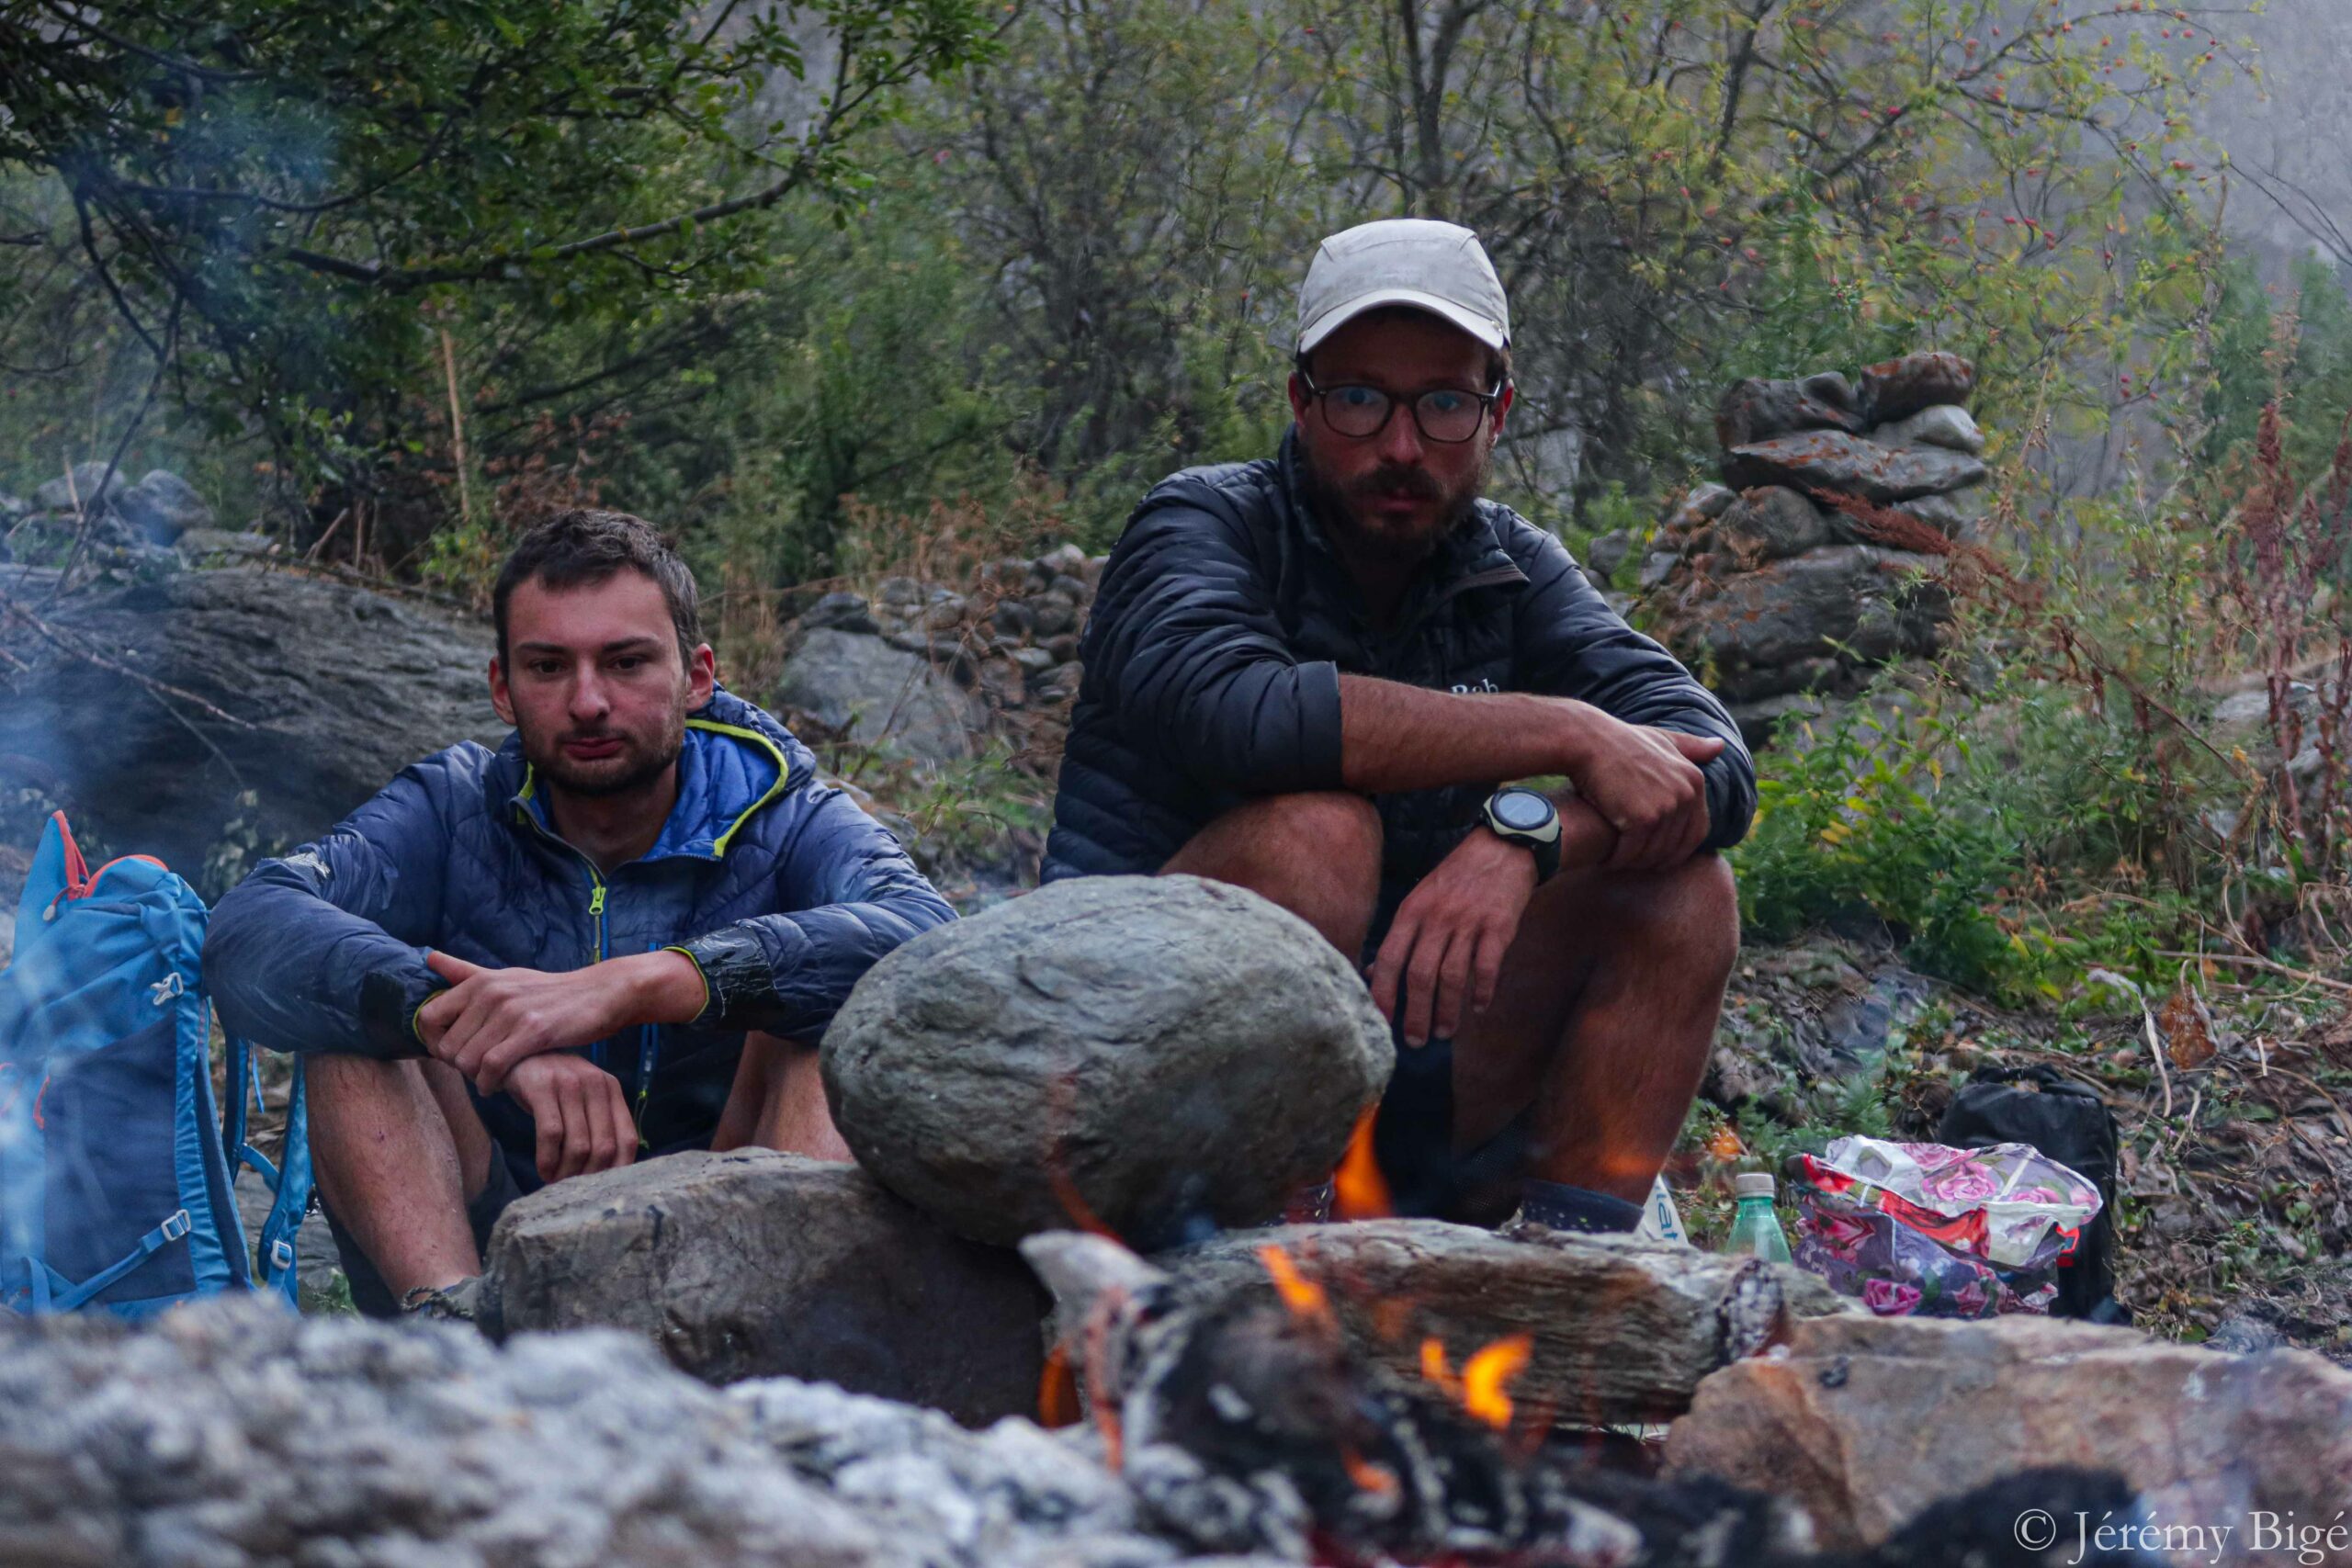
pixel 328 691
pixel 882 696
pixel 759 1264
pixel 1156 1055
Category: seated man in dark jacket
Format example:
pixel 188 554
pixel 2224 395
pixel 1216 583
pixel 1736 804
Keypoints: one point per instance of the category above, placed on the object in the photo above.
pixel 616 935
pixel 1311 675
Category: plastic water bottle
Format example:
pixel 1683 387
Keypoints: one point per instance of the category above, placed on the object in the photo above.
pixel 1755 1230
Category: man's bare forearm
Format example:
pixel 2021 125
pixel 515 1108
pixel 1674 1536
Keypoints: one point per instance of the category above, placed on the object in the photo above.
pixel 1394 736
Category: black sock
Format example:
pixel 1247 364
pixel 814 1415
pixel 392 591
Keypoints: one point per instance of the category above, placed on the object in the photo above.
pixel 1558 1206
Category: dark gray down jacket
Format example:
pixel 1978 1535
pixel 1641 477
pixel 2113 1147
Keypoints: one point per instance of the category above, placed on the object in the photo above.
pixel 779 888
pixel 1224 622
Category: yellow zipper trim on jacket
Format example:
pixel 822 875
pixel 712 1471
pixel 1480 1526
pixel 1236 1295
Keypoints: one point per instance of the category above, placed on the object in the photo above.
pixel 783 774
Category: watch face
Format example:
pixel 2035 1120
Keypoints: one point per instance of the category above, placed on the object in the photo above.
pixel 1522 809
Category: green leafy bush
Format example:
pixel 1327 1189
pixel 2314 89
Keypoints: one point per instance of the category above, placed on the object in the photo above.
pixel 1858 818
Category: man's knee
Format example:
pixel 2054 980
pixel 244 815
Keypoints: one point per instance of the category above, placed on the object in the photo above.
pixel 1683 920
pixel 1694 918
pixel 1317 853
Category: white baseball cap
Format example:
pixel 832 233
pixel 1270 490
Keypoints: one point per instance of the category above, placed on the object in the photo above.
pixel 1416 262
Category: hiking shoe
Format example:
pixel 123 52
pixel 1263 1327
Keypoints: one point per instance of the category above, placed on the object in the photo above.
pixel 456 1303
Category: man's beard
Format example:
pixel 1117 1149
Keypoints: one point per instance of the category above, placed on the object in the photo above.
pixel 1337 507
pixel 640 761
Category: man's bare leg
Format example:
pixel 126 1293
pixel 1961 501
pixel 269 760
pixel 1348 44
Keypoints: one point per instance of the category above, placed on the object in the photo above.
pixel 398 1152
pixel 778 1102
pixel 1316 855
pixel 1602 1021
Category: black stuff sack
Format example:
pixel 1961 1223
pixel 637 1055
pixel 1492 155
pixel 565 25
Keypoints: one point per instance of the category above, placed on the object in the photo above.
pixel 2067 1121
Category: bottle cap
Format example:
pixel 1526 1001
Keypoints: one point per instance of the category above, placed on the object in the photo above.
pixel 1752 1184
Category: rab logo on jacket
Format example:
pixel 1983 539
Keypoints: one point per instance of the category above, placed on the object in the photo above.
pixel 1485 685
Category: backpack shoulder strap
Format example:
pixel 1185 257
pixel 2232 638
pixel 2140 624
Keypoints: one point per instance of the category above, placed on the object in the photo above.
pixel 288 1179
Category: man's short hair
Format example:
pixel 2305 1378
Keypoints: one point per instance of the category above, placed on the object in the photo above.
pixel 579 546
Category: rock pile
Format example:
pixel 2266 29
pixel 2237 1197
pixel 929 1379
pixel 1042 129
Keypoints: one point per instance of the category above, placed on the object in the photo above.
pixel 127 524
pixel 917 670
pixel 1790 577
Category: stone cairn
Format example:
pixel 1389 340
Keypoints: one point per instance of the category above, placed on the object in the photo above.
pixel 159 523
pixel 919 670
pixel 1822 554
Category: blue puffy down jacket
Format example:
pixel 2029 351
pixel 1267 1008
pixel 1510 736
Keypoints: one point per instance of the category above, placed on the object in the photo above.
pixel 781 889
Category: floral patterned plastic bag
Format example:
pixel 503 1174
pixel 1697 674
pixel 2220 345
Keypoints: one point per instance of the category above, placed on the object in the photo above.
pixel 1936 1231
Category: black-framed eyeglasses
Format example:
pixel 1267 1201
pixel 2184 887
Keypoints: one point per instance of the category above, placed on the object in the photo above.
pixel 1444 414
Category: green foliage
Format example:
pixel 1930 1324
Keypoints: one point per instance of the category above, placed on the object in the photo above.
pixel 2013 841
pixel 2260 355
pixel 1857 819
pixel 285 198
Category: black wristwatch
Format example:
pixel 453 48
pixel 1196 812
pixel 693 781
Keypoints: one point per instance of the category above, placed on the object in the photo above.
pixel 1522 817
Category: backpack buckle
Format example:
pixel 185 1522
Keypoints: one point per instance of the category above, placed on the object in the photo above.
pixel 282 1254
pixel 167 987
pixel 177 1225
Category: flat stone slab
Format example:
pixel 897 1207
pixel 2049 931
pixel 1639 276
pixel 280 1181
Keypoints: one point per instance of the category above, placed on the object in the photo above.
pixel 1865 1421
pixel 1850 465
pixel 759 1264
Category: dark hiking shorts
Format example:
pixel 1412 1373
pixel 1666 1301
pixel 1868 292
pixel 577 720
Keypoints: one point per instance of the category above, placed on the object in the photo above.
pixel 369 1294
pixel 1413 1138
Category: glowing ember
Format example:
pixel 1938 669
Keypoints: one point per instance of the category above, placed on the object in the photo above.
pixel 1058 1391
pixel 1358 1190
pixel 1434 1369
pixel 1368 1476
pixel 1299 1293
pixel 1488 1373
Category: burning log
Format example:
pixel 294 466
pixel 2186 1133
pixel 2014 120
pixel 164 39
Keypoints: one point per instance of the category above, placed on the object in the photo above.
pixel 1608 1329
pixel 1247 1421
pixel 1250 1421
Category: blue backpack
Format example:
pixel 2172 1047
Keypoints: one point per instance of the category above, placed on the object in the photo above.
pixel 116 1170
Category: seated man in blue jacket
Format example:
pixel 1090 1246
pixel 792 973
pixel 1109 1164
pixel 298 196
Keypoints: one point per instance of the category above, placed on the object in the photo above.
pixel 1315 676
pixel 619 934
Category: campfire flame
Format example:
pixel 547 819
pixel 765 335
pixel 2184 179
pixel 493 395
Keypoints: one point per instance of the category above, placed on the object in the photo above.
pixel 1480 1390
pixel 1489 1373
pixel 1358 1190
pixel 1302 1295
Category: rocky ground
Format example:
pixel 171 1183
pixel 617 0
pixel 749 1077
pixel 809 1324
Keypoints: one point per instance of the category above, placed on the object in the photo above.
pixel 2232 1101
